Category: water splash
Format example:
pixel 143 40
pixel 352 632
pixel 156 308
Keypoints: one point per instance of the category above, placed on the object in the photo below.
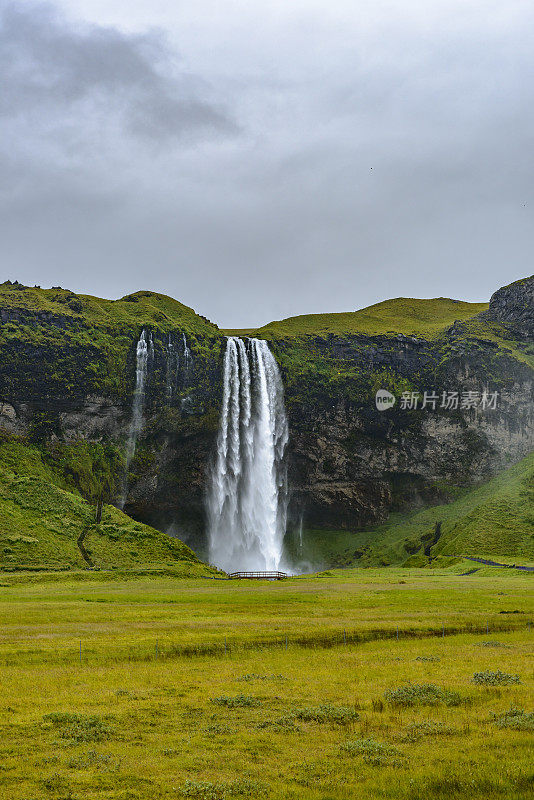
pixel 247 499
pixel 138 405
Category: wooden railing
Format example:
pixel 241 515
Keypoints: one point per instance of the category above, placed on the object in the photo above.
pixel 266 575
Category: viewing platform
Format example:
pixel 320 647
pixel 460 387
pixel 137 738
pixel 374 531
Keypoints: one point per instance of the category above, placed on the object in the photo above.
pixel 268 576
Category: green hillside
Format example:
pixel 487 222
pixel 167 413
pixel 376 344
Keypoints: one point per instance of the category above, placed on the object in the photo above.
pixel 140 308
pixel 405 315
pixel 41 523
pixel 55 343
pixel 493 520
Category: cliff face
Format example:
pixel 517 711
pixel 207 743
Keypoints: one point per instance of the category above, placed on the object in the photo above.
pixel 67 374
pixel 513 307
pixel 351 464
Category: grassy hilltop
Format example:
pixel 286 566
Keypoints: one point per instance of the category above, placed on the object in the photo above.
pixel 404 315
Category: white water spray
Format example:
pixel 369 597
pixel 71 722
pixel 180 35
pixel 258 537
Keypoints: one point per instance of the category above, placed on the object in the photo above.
pixel 247 500
pixel 138 405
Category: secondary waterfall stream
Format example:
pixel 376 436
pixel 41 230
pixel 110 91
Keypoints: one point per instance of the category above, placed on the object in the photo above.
pixel 138 404
pixel 247 499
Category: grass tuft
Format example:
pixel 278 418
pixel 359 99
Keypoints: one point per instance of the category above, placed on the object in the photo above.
pixel 79 727
pixel 340 715
pixel 236 701
pixel 422 694
pixel 373 752
pixel 205 790
pixel 516 718
pixel 498 678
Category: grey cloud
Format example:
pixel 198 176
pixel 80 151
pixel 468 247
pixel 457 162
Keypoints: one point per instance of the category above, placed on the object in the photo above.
pixel 53 70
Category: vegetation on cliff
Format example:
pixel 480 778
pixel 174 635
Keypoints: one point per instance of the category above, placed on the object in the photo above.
pixel 46 524
pixel 60 346
pixel 492 520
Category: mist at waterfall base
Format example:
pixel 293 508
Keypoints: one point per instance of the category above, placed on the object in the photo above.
pixel 247 497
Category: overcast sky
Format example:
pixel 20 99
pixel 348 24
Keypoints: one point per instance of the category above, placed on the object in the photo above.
pixel 258 159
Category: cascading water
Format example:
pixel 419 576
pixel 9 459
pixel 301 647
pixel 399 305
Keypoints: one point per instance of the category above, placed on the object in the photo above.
pixel 173 363
pixel 247 499
pixel 187 356
pixel 138 404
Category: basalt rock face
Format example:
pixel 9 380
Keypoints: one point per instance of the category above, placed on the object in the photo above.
pixel 351 464
pixel 67 375
pixel 513 307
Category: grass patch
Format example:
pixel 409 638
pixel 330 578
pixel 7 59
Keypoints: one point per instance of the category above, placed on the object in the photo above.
pixel 339 715
pixel 419 730
pixel 373 752
pixel 516 719
pixel 422 694
pixel 205 790
pixel 79 727
pixel 237 701
pixel 498 678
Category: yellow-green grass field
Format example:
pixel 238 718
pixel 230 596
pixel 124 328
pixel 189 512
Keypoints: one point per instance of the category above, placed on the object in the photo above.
pixel 220 689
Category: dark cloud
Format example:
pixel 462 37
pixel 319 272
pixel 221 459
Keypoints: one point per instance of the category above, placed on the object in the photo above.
pixel 53 71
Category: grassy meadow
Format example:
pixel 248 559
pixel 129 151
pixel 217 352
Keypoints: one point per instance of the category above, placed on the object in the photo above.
pixel 215 689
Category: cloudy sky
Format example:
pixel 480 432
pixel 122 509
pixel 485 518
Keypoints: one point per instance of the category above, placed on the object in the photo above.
pixel 258 159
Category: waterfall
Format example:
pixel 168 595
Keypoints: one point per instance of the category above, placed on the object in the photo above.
pixel 138 404
pixel 187 357
pixel 247 498
pixel 172 365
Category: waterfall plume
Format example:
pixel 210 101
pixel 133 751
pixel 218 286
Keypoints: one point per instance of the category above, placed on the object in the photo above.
pixel 247 498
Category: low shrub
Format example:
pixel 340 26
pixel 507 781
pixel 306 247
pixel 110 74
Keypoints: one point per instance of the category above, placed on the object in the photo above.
pixel 54 783
pixel 516 718
pixel 493 643
pixel 422 694
pixel 281 725
pixel 373 752
pixel 237 701
pixel 418 730
pixel 78 727
pixel 340 715
pixel 205 790
pixel 489 678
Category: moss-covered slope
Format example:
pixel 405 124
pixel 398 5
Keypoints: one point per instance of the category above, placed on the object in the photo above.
pixel 492 520
pixel 43 525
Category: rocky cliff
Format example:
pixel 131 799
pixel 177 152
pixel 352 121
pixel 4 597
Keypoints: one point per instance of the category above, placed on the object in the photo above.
pixel 67 375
